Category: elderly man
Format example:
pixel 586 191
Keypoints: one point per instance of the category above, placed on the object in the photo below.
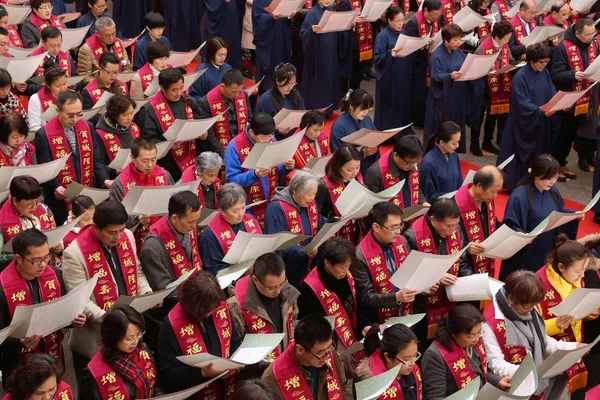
pixel 523 23
pixel 220 232
pixel 294 209
pixel 102 41
pixel 207 168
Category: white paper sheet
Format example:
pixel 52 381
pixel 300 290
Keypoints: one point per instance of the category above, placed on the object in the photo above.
pixel 17 14
pixel 179 58
pixel 103 99
pixel 317 165
pixel 206 216
pixel 372 138
pixel 20 53
pixel 408 44
pixel 508 68
pixel 420 271
pixel 541 34
pixel 97 195
pixel 372 388
pixel 153 87
pixel 468 19
pixel 147 301
pixel 288 119
pixel 184 394
pixel 374 9
pixel 340 21
pixel 189 79
pixel 471 288
pixel 561 360
pixel 184 130
pixel 556 219
pixel 408 320
pixel 72 38
pixel 505 242
pixel 476 66
pixel 490 392
pixel 153 200
pixel 139 103
pixel 268 155
pixel 592 69
pixel 414 211
pixel 582 5
pixel 129 42
pixel 356 193
pixel 54 235
pixel 121 160
pixel 250 90
pixel 41 172
pixel 469 392
pixel 579 304
pixel 468 179
pixel 228 275
pixel 504 163
pixel 162 148
pixel 89 114
pixel 6 332
pixel 69 17
pixel 329 229
pixel 50 113
pixel 285 8
pixel 126 76
pixel 524 382
pixel 74 80
pixel 45 318
pixel 247 246
pixel 563 100
pixel 21 69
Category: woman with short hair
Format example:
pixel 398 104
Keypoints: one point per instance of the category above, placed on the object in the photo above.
pixel 15 150
pixel 8 101
pixel 55 82
pixel 40 17
pixel 37 377
pixel 214 66
pixel 207 169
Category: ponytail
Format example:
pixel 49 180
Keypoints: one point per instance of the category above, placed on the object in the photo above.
pixel 566 252
pixel 443 133
pixel 388 339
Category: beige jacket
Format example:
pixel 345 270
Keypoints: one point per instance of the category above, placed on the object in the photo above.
pixel 86 63
pixel 86 340
pixel 135 91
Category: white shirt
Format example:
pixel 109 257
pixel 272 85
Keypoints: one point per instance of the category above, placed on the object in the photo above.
pixel 34 110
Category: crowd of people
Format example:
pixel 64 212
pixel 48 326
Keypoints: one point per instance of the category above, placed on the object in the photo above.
pixel 119 353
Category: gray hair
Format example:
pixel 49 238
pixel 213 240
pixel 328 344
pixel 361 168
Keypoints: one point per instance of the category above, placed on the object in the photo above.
pixel 229 194
pixel 104 22
pixel 303 181
pixel 208 160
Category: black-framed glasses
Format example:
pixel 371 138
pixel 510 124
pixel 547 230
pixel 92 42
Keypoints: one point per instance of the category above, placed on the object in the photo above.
pixel 272 289
pixel 114 73
pixel 409 363
pixel 329 350
pixel 36 262
pixel 394 228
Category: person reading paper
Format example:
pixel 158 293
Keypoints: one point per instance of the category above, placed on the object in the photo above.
pixel 51 44
pixel 558 16
pixel 55 82
pixel 15 150
pixel 105 81
pixel 13 30
pixel 157 54
pixel 40 17
pixel 30 280
pixel 315 142
pixel 207 168
pixel 154 24
pixel 523 23
pixel 9 102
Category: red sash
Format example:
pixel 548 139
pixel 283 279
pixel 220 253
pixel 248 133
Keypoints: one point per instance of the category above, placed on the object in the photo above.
pixel 105 291
pixel 98 48
pixel 380 276
pixel 519 28
pixel 424 31
pixel 46 97
pixel 63 390
pixel 184 156
pixel 437 304
pixel 256 324
pixel 13 35
pixel 459 364
pixel 110 383
pixel 389 180
pixel 448 11
pixel 217 106
pixel 189 175
pixel 294 222
pixel 548 21
pixel 111 141
pixel 335 191
pixel 11 221
pixel 63 61
pixel 291 380
pixel 333 306
pixel 576 64
pixel 191 342
pixel 364 34
pixel 484 28
pixel 471 217
pixel 146 76
pixel 377 366
pixel 577 374
pixel 224 233
pixel 255 192
pixel 41 24
pixel 504 9
pixel 17 293
pixel 59 147
pixel 95 91
pixel 305 151
pixel 179 261
pixel 499 86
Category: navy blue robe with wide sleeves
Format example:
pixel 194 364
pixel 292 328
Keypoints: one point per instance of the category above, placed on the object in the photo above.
pixel 439 175
pixel 183 24
pixel 273 41
pixel 89 19
pixel 265 103
pixel 129 14
pixel 224 19
pixel 346 125
pixel 446 98
pixel 393 92
pixel 524 215
pixel 210 79
pixel 528 132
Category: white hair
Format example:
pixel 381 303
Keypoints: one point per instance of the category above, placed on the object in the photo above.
pixel 303 181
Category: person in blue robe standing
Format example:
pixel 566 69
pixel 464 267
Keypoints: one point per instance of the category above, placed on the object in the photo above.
pixel 273 41
pixel 183 19
pixel 324 55
pixel 223 18
pixel 392 90
pixel 356 106
pixel 90 12
pixel 446 97
pixel 215 66
pixel 154 23
pixel 529 130
pixel 129 14
pixel 439 172
pixel 529 204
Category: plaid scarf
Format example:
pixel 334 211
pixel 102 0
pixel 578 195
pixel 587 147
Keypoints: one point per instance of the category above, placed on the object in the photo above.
pixel 15 155
pixel 129 366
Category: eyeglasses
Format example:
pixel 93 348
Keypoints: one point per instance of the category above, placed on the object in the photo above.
pixel 36 262
pixel 111 73
pixel 329 350
pixel 474 336
pixel 45 7
pixel 272 289
pixel 410 163
pixel 393 228
pixel 545 61
pixel 290 84
pixel 136 338
pixel 75 115
pixel 97 7
pixel 34 204
pixel 409 363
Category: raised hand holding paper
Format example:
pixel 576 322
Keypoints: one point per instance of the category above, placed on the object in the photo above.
pixel 505 243
pixel 406 45
pixel 228 275
pixel 476 66
pixel 268 155
pixel 472 288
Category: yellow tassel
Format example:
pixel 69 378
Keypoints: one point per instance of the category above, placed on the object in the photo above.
pixel 581 109
pixel 494 110
pixel 504 108
pixel 577 382
pixel 431 331
pixel 366 55
pixel 428 82
pixel 484 303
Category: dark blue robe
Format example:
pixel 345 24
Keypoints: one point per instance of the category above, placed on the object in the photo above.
pixel 522 216
pixel 446 98
pixel 596 185
pixel 419 58
pixel 323 55
pixel 183 19
pixel 59 7
pixel 439 175
pixel 140 58
pixel 393 92
pixel 346 125
pixel 265 103
pixel 129 14
pixel 224 19
pixel 273 41
pixel 527 132
pixel 208 80
pixel 211 252
pixel 90 19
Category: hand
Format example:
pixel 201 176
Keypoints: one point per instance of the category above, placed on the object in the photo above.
pixel 426 204
pixel 57 249
pixel 290 164
pixel 564 321
pixel 595 313
pixel 395 53
pixel 580 345
pixel 203 136
pixel 316 28
pixel 581 217
pixel 31 341
pixel 550 113
pixel 455 75
pixel 365 330
pixel 406 296
pixel 292 15
pixel 284 131
pixel 504 383
pixel 448 280
pixel 574 12
pixel 262 172
pixel 59 193
pixel 429 41
pixel 108 183
pixel 369 151
pixel 159 305
pixel 233 372
pixel 475 249
pixel 79 320
pixel 276 16
pixel 360 19
pixel 312 253
pixel 145 220
pixel 579 76
pixel 21 87
pixel 432 289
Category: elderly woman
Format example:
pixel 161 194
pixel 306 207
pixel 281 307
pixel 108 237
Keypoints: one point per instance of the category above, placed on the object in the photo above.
pixel 55 81
pixel 294 209
pixel 220 232
pixel 15 151
pixel 199 323
pixel 514 318
pixel 157 54
pixel 37 377
pixel 8 101
pixel 207 168
pixel 40 17
pixel 124 355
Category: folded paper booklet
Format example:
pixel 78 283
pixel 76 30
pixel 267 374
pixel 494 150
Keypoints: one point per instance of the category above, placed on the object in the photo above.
pixel 229 275
pixel 564 100
pixel 179 59
pixel 476 66
pixel 505 243
pixel 473 288
pixel 184 130
pixel 374 9
pixel 6 332
pixel 469 392
pixel 406 45
pixel 251 89
pixel 356 193
pixel 147 301
pixel 97 195
pixel 54 235
pixel 373 388
pixel 248 246
pixel 524 382
pixel 468 19
pixel 126 76
pixel 561 360
pixel 69 17
pixel 541 34
pixel 372 138
pixel 72 38
pixel 41 172
pixel 268 155
pixel 285 8
pixel 153 200
pixel 556 219
pixel 206 215
pixel 21 69
pixel 339 21
pixel 189 79
pixel 17 13
pixel 408 320
pixel 414 211
pixel 17 52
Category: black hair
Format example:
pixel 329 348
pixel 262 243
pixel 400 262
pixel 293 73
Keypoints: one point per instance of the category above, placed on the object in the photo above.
pixel 443 133
pixel 567 252
pixel 5 78
pixel 392 12
pixel 312 117
pixel 537 52
pixel 311 330
pixel 50 32
pixel 557 5
pixel 153 20
pixel 3 12
pixel 408 146
pixel 450 32
pixel 110 212
pixel 108 58
pixel 394 339
pixel 381 211
pixel 81 204
pixel 26 239
pixel 117 105
pixel 337 250
pixel 114 328
pixel 67 97
pixel 358 98
pixel 11 122
pixel 3 31
pixel 284 73
pixel 141 143
pixel 231 77
pixel 85 6
pixel 35 4
pixel 182 202
pixel 341 156
pixel 502 29
pixel 30 374
pixel 582 23
pixel 52 72
pixel 486 177
pixel 268 264
pixel 543 166
pixel 156 50
pixel 169 76
pixel 213 45
pixel 262 124
pixel 432 5
pixel 461 318
pixel 444 208
pixel 25 187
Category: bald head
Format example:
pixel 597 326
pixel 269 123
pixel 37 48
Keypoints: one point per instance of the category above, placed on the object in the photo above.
pixel 527 10
pixel 560 12
pixel 487 182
